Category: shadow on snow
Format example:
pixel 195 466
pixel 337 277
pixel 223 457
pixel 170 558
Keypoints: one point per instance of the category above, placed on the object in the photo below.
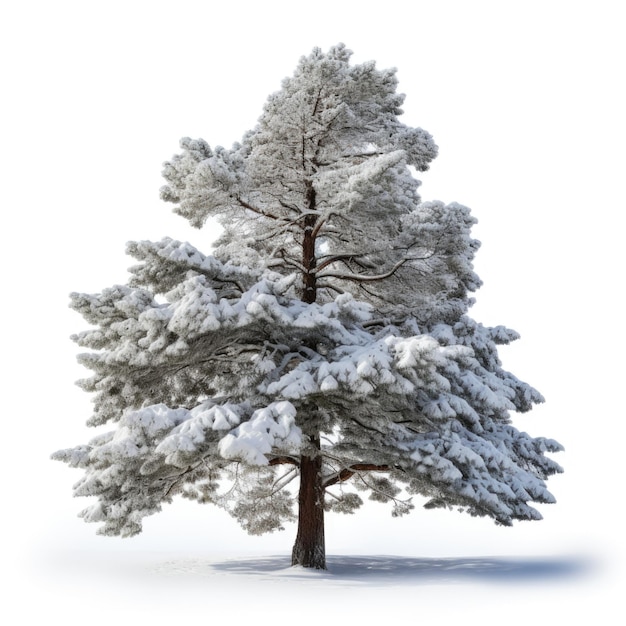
pixel 398 570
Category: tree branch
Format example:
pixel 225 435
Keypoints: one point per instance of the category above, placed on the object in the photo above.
pixel 250 207
pixel 360 278
pixel 349 472
pixel 284 460
pixel 335 258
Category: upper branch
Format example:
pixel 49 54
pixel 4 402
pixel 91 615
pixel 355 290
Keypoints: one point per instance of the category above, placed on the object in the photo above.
pixel 250 207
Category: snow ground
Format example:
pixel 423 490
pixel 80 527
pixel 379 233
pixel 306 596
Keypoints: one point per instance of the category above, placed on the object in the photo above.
pixel 193 563
pixel 162 588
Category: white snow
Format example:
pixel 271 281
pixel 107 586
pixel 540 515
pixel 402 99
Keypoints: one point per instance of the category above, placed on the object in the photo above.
pixel 273 426
pixel 124 587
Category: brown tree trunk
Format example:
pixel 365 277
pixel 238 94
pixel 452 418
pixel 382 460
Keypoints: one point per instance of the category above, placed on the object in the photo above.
pixel 309 549
pixel 309 293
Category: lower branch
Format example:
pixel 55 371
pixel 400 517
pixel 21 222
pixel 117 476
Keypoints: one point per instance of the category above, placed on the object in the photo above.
pixel 349 472
pixel 284 460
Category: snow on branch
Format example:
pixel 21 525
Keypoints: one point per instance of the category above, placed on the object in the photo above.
pixel 267 429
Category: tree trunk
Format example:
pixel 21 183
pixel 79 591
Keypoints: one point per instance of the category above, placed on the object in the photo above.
pixel 309 549
pixel 309 294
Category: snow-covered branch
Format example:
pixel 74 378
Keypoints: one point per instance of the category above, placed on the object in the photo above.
pixel 361 277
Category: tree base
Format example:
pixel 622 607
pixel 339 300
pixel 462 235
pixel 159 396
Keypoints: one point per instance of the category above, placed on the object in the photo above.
pixel 313 559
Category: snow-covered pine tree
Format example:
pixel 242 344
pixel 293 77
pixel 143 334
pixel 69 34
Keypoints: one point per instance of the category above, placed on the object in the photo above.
pixel 326 342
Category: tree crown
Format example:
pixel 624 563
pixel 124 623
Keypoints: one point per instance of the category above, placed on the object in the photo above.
pixel 330 323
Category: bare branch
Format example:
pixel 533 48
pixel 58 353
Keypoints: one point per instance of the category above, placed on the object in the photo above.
pixel 284 460
pixel 318 227
pixel 348 472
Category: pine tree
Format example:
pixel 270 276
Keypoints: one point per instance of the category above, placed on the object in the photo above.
pixel 325 343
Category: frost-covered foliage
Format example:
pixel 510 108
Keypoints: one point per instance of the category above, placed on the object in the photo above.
pixel 331 323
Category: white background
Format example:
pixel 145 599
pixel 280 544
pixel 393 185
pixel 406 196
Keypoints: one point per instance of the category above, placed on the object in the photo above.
pixel 524 99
